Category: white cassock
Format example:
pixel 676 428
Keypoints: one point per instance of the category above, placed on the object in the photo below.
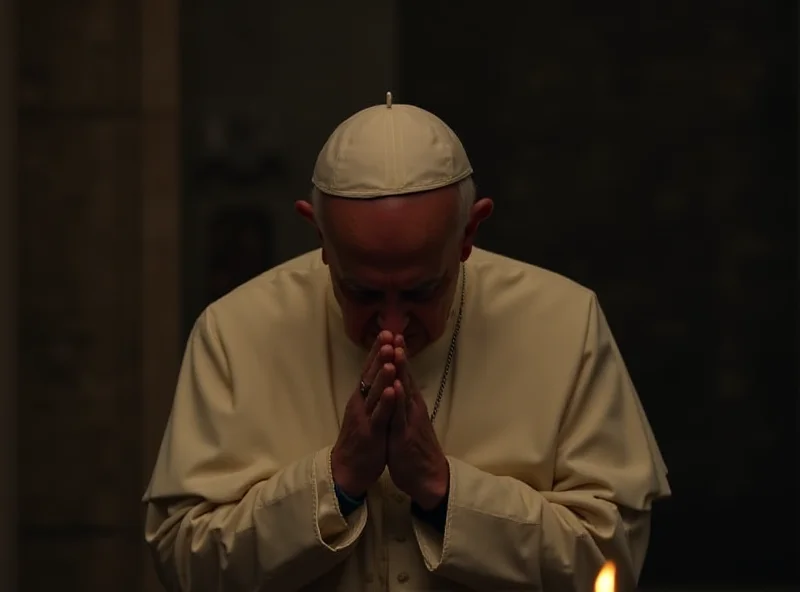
pixel 553 464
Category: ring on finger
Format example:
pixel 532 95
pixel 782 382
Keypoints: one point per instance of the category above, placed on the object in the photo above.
pixel 363 388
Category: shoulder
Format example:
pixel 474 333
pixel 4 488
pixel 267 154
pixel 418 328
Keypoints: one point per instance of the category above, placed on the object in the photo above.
pixel 510 288
pixel 290 293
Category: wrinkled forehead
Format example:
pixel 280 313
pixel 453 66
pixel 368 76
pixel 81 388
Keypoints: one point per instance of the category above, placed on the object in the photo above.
pixel 393 264
pixel 392 241
pixel 417 218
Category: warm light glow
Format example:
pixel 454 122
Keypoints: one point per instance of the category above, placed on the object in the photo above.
pixel 607 578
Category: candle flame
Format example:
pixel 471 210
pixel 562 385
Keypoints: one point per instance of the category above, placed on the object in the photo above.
pixel 607 578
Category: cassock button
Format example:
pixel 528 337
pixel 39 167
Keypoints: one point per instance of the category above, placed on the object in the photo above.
pixel 402 577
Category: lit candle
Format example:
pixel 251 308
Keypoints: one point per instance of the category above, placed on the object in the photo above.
pixel 607 578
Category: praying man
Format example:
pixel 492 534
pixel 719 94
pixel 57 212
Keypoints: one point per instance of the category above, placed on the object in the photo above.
pixel 399 409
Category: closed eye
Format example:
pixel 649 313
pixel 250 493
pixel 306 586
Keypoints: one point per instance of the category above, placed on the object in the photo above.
pixel 364 296
pixel 419 295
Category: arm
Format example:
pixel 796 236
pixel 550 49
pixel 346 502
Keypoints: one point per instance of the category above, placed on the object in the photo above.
pixel 500 533
pixel 219 519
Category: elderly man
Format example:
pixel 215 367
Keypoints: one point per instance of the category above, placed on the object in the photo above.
pixel 400 410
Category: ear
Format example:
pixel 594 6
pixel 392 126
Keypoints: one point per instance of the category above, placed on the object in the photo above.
pixel 306 210
pixel 480 211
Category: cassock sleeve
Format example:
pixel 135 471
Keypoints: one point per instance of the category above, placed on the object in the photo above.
pixel 501 534
pixel 218 520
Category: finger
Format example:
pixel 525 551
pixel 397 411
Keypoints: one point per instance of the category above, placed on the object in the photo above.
pixel 384 356
pixel 399 341
pixel 403 370
pixel 372 353
pixel 399 418
pixel 371 365
pixel 385 378
pixel 384 338
pixel 412 393
pixel 385 408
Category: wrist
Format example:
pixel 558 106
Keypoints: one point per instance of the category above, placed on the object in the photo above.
pixel 343 481
pixel 430 500
pixel 435 517
pixel 349 487
pixel 347 504
pixel 353 498
pixel 434 494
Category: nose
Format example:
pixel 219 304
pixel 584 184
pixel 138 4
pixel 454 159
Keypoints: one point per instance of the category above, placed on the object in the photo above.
pixel 393 319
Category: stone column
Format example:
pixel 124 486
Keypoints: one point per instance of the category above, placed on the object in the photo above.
pixel 8 303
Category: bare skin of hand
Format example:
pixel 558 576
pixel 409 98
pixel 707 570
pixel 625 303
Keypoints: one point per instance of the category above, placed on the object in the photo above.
pixel 359 455
pixel 415 459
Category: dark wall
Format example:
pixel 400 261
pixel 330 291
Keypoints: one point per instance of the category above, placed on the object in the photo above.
pixel 648 152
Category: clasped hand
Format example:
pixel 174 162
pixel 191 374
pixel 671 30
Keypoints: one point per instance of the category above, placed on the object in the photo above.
pixel 390 427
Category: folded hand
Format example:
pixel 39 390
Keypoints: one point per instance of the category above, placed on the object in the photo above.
pixel 414 457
